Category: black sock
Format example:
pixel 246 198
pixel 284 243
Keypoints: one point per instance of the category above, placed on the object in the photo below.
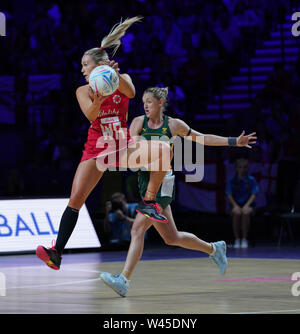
pixel 66 227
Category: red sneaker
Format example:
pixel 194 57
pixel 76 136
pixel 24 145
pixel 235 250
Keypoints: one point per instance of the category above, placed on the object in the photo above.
pixel 150 209
pixel 50 256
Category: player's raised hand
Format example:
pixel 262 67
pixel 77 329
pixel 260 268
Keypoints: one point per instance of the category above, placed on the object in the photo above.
pixel 247 140
pixel 113 64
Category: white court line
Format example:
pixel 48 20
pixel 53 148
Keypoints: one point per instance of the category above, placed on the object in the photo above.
pixel 265 312
pixel 56 284
pixel 50 285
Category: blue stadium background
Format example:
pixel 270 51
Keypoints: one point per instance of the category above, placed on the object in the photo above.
pixel 230 65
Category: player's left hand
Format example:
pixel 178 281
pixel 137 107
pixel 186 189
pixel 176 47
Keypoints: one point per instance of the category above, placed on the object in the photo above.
pixel 246 141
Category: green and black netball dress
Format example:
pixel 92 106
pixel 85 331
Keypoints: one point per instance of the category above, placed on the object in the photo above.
pixel 166 192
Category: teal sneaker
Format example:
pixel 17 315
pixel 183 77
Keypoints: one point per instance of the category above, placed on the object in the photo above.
pixel 119 283
pixel 220 256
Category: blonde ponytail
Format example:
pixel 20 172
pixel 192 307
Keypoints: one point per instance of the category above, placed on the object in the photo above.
pixel 113 39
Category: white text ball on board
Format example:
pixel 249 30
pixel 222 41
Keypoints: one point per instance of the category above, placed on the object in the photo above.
pixel 104 80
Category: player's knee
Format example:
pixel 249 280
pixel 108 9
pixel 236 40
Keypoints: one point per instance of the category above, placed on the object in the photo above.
pixel 171 240
pixel 137 231
pixel 246 211
pixel 76 202
pixel 236 213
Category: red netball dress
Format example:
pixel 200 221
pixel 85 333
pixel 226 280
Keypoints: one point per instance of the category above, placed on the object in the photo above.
pixel 111 123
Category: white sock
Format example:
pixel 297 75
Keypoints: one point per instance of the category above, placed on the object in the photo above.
pixel 214 249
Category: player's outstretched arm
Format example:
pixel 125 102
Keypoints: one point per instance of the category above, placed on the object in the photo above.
pixel 180 128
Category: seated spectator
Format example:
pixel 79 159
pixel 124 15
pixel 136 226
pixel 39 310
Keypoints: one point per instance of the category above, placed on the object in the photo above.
pixel 241 191
pixel 119 217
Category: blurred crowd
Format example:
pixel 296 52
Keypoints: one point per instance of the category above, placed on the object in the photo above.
pixel 191 46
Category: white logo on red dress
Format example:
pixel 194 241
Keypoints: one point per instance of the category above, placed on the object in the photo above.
pixel 117 99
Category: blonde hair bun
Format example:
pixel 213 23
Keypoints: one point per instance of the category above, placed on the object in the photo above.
pixel 159 93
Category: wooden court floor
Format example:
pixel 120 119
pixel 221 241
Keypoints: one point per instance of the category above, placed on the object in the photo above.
pixel 172 286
